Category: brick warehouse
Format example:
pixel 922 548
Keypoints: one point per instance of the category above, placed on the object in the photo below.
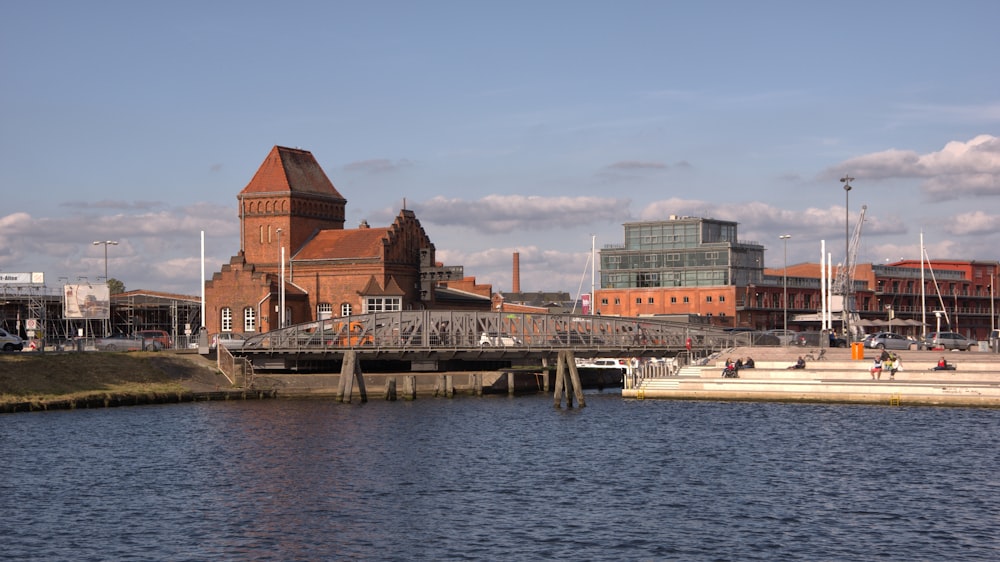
pixel 329 271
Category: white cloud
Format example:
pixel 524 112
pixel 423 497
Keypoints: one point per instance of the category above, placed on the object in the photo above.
pixel 155 250
pixel 495 214
pixel 960 169
pixel 973 223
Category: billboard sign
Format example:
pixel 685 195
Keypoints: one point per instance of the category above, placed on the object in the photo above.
pixel 37 278
pixel 88 302
pixel 585 303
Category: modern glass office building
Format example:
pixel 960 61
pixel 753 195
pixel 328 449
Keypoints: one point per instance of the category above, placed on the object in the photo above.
pixel 681 252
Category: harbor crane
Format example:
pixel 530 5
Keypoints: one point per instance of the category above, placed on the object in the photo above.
pixel 842 284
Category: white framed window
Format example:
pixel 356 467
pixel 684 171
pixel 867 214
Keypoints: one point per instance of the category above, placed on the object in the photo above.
pixel 324 311
pixel 249 319
pixel 227 320
pixel 383 304
pixel 345 309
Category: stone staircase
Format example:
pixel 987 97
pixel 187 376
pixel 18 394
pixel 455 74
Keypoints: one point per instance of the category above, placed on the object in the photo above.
pixel 837 378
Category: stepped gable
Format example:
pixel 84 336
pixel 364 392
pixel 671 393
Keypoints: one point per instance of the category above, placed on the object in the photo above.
pixel 291 170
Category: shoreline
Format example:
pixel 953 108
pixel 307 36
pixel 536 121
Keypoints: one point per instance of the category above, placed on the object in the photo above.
pixel 31 382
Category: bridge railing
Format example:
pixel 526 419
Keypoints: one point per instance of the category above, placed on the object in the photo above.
pixel 470 330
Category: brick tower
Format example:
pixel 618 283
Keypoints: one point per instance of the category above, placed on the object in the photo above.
pixel 289 192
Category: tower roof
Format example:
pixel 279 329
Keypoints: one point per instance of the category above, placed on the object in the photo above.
pixel 291 170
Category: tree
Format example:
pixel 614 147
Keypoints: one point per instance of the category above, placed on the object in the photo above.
pixel 116 286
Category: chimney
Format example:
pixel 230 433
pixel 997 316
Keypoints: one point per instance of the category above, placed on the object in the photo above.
pixel 517 273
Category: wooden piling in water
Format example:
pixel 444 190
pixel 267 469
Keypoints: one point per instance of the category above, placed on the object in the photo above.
pixel 567 379
pixel 350 372
pixel 390 389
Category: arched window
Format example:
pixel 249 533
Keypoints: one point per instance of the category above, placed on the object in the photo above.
pixel 249 319
pixel 227 320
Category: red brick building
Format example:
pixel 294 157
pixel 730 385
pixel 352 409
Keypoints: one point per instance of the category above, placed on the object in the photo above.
pixel 291 206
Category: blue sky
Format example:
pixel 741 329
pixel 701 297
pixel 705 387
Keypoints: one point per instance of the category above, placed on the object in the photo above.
pixel 506 126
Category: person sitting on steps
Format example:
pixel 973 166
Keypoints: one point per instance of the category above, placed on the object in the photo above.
pixel 876 369
pixel 800 364
pixel 943 365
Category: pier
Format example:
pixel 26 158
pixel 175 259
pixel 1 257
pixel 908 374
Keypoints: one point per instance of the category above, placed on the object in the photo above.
pixel 837 379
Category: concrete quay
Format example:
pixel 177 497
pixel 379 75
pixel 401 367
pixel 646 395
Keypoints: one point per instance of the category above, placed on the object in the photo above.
pixel 836 379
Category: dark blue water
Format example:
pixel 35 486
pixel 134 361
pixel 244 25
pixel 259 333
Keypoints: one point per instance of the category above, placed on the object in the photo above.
pixel 501 479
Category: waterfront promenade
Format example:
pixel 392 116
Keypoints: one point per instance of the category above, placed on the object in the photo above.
pixel 837 378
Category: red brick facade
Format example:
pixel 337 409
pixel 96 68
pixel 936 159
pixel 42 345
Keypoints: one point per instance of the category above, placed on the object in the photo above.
pixel 290 203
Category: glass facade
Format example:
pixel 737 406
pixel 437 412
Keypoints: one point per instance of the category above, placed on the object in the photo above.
pixel 681 252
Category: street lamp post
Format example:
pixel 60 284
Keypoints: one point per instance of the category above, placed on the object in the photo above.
pixel 105 243
pixel 784 284
pixel 281 287
pixel 848 293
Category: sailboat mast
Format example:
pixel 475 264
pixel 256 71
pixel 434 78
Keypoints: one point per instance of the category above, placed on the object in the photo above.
pixel 923 290
pixel 593 272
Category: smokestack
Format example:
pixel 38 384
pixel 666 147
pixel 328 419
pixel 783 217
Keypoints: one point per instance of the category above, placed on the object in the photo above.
pixel 517 273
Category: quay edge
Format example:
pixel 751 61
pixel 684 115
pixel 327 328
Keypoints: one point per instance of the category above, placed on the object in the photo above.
pixel 837 379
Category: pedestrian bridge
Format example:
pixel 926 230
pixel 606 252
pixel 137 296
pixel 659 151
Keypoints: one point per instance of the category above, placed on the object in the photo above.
pixel 431 336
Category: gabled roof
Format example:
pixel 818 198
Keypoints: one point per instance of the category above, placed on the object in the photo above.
pixel 333 244
pixel 392 288
pixel 291 170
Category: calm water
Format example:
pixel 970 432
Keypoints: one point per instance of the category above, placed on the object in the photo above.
pixel 501 479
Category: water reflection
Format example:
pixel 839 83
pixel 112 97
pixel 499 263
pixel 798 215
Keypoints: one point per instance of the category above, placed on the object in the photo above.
pixel 500 478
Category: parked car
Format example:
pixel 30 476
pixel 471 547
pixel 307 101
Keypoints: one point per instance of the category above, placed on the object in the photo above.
pixel 785 337
pixel 159 335
pixel 887 340
pixel 228 340
pixel 10 342
pixel 814 338
pixel 122 342
pixel 950 340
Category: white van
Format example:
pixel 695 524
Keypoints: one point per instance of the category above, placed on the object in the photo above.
pixel 10 342
pixel 495 340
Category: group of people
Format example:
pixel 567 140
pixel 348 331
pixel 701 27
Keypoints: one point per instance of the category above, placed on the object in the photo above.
pixel 732 368
pixel 886 361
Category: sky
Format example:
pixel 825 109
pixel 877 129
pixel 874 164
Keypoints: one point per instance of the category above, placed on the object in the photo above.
pixel 536 127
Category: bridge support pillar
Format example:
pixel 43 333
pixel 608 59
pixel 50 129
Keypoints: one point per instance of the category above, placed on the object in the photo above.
pixel 510 383
pixel 445 386
pixel 545 374
pixel 568 379
pixel 409 387
pixel 350 371
pixel 390 389
pixel 477 384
